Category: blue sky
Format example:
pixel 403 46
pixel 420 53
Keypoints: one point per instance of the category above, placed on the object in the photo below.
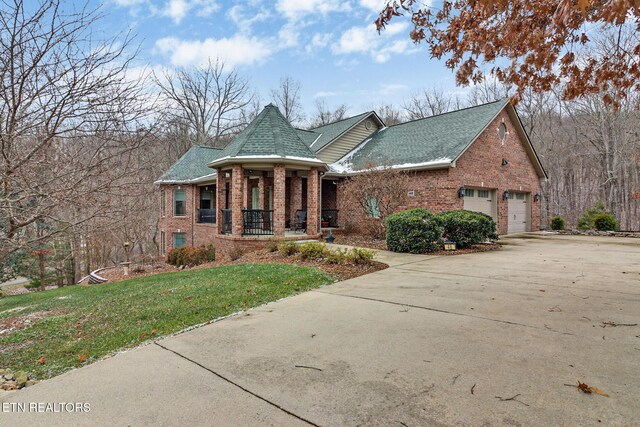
pixel 330 46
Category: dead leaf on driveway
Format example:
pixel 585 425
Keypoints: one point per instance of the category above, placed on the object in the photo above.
pixel 585 388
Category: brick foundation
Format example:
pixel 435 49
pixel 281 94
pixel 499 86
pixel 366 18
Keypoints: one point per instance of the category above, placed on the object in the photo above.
pixel 225 245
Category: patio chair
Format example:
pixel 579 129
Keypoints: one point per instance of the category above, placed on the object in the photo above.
pixel 300 222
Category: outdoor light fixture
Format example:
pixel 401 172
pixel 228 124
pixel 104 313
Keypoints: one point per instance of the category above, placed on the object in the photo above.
pixel 449 245
pixel 461 192
pixel 536 197
pixel 505 195
pixel 505 162
pixel 330 237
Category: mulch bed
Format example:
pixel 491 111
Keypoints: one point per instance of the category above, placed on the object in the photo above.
pixel 370 243
pixel 339 271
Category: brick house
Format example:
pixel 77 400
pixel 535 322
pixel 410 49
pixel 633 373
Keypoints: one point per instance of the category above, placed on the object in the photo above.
pixel 274 180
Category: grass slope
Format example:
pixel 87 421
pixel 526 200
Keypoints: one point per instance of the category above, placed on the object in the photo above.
pixel 95 321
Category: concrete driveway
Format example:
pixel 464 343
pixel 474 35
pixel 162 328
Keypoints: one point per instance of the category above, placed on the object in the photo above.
pixel 481 339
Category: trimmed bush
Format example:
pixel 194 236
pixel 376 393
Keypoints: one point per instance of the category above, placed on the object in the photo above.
pixel 337 256
pixel 359 256
pixel 467 228
pixel 605 222
pixel 415 231
pixel 288 248
pixel 312 251
pixel 557 223
pixel 189 255
pixel 272 246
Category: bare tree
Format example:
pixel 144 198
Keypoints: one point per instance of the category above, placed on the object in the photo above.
pixel 324 116
pixel 287 98
pixel 210 99
pixel 69 115
pixel 377 193
pixel 430 102
pixel 389 114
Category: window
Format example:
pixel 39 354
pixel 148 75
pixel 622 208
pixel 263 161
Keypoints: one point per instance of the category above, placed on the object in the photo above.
pixel 163 243
pixel 502 131
pixel 206 198
pixel 483 194
pixel 372 207
pixel 469 192
pixel 255 199
pixel 519 196
pixel 163 201
pixel 179 203
pixel 179 240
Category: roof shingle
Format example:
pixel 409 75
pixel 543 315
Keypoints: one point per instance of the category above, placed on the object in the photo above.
pixel 269 134
pixel 429 141
pixel 192 166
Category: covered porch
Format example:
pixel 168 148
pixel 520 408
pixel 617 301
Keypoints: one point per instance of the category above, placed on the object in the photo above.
pixel 260 200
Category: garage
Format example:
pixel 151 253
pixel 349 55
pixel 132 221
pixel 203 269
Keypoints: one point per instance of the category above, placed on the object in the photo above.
pixel 518 213
pixel 480 200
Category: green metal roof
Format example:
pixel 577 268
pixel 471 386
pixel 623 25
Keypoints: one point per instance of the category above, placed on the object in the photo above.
pixel 431 141
pixel 333 130
pixel 268 135
pixel 192 166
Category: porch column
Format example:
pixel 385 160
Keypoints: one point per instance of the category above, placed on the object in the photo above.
pixel 220 197
pixel 261 189
pixel 245 199
pixel 296 195
pixel 313 202
pixel 279 197
pixel 236 200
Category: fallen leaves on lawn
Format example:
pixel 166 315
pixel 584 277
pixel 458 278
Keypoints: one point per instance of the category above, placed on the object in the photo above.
pixel 42 360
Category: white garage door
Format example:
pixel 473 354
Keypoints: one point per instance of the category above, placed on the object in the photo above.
pixel 479 200
pixel 518 206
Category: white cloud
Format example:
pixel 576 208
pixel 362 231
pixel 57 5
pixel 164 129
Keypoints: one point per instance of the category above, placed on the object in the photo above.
pixel 356 39
pixel 244 20
pixel 288 35
pixel 373 5
pixel 385 53
pixel 233 51
pixel 295 9
pixel 318 41
pixel 177 10
pixel 392 88
pixel 395 28
pixel 381 47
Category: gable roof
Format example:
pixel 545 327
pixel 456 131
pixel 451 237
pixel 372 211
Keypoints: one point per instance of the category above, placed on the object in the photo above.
pixel 270 136
pixel 333 130
pixel 435 141
pixel 191 167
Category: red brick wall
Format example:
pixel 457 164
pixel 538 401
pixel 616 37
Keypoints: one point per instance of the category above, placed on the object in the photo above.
pixel 196 234
pixel 480 166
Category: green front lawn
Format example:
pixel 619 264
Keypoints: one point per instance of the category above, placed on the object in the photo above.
pixel 94 321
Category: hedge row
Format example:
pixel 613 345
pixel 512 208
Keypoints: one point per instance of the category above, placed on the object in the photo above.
pixel 191 256
pixel 419 231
